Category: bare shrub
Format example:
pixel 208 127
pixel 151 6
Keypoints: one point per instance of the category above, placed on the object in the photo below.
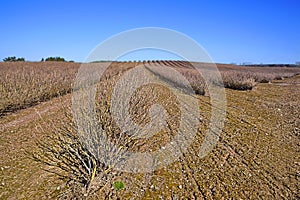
pixel 82 160
pixel 238 81
pixel 279 77
pixel 197 83
pixel 65 154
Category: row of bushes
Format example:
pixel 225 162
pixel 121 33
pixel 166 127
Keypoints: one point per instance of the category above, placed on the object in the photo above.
pixel 15 59
pixel 25 84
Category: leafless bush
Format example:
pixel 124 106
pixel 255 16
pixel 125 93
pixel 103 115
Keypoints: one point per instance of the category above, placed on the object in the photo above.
pixel 238 81
pixel 197 83
pixel 64 153
pixel 67 154
pixel 83 159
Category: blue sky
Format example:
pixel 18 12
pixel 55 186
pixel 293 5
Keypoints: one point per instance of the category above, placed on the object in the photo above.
pixel 261 31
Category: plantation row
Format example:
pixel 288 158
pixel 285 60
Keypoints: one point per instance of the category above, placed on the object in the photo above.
pixel 234 77
pixel 23 84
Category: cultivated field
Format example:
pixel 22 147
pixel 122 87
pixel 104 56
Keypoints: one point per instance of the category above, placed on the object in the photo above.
pixel 42 156
pixel 25 84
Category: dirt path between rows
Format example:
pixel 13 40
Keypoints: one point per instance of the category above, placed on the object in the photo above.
pixel 23 117
pixel 20 177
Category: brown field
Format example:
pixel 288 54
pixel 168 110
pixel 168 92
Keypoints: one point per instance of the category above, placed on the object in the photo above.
pixel 256 157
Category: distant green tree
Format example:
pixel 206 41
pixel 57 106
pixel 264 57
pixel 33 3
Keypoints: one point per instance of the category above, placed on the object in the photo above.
pixel 42 60
pixel 10 59
pixel 21 59
pixel 55 59
pixel 13 59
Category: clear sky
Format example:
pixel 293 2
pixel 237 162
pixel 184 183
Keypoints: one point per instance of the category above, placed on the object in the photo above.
pixel 257 31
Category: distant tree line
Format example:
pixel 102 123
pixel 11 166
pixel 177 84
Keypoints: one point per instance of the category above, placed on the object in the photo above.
pixel 15 59
pixel 58 59
pixel 272 65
